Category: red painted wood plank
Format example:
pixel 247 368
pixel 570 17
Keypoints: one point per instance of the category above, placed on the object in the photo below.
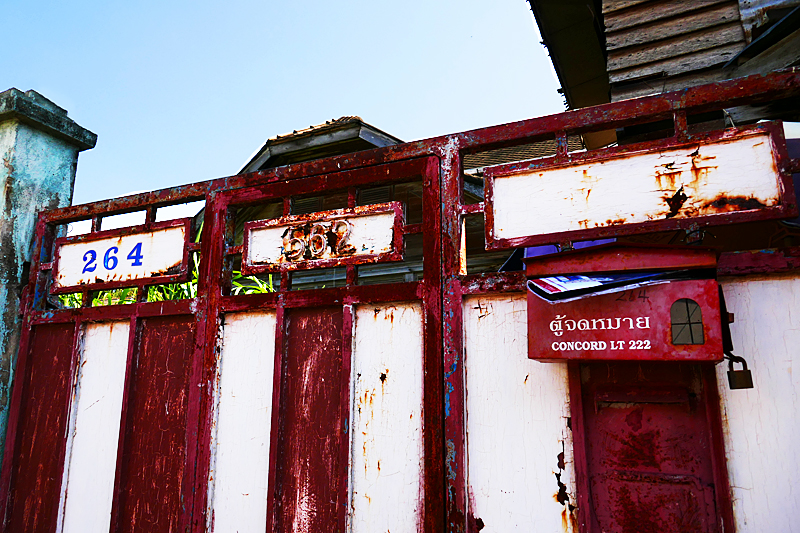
pixel 310 467
pixel 275 433
pixel 154 446
pixel 44 413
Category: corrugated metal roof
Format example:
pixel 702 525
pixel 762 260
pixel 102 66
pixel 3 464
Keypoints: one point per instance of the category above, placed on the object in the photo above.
pixel 319 128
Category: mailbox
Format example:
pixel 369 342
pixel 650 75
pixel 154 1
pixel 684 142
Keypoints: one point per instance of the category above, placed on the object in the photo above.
pixel 624 302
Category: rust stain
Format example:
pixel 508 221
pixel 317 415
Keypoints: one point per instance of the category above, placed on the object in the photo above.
pixel 174 269
pixel 569 519
pixel 9 166
pixel 669 178
pixel 562 496
pixel 726 204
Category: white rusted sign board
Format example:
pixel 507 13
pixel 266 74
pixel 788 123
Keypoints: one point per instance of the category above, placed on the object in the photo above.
pixel 365 234
pixel 739 173
pixel 121 257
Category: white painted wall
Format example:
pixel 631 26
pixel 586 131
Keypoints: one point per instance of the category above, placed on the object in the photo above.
pixel 91 459
pixel 241 442
pixel 762 427
pixel 635 188
pixel 517 413
pixel 386 454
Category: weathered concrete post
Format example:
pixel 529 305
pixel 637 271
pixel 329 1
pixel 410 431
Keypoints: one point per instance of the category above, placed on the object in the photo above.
pixel 39 148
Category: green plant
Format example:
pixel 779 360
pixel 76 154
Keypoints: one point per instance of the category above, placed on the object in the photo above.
pixel 250 284
pixel 177 291
pixel 71 300
pixel 115 297
pixel 100 298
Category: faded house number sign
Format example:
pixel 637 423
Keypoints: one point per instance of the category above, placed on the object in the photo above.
pixel 363 234
pixel 121 256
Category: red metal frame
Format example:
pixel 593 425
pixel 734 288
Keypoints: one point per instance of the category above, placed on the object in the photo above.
pixel 786 209
pixel 182 275
pixel 438 161
pixel 396 253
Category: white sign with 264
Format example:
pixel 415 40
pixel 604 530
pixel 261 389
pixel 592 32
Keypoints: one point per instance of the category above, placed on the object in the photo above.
pixel 120 258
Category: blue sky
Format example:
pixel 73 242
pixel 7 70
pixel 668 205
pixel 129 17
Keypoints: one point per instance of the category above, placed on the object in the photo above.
pixel 183 91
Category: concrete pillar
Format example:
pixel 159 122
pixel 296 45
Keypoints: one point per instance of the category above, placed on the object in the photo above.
pixel 39 148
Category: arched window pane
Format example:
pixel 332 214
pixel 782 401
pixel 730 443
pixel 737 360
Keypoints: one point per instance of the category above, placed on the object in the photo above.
pixel 687 322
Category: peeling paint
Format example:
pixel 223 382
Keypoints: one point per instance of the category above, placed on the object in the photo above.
pixel 737 173
pixel 364 234
pixel 486 435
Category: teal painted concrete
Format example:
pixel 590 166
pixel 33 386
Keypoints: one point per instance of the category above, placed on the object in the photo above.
pixel 39 148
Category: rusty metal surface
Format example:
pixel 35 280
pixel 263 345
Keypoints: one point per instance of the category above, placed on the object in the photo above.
pixel 153 446
pixel 759 261
pixel 310 468
pixel 687 190
pixel 438 162
pixel 37 461
pixel 649 449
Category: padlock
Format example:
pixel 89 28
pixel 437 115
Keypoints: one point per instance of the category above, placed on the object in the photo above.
pixel 739 379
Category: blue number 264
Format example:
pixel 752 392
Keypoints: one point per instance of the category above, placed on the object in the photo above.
pixel 110 260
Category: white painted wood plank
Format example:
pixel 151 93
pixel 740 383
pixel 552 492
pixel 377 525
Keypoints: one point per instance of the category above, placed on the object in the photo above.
pixel 240 447
pixel 369 235
pixel 636 188
pixel 153 253
pixel 761 425
pixel 88 486
pixel 386 453
pixel 517 413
